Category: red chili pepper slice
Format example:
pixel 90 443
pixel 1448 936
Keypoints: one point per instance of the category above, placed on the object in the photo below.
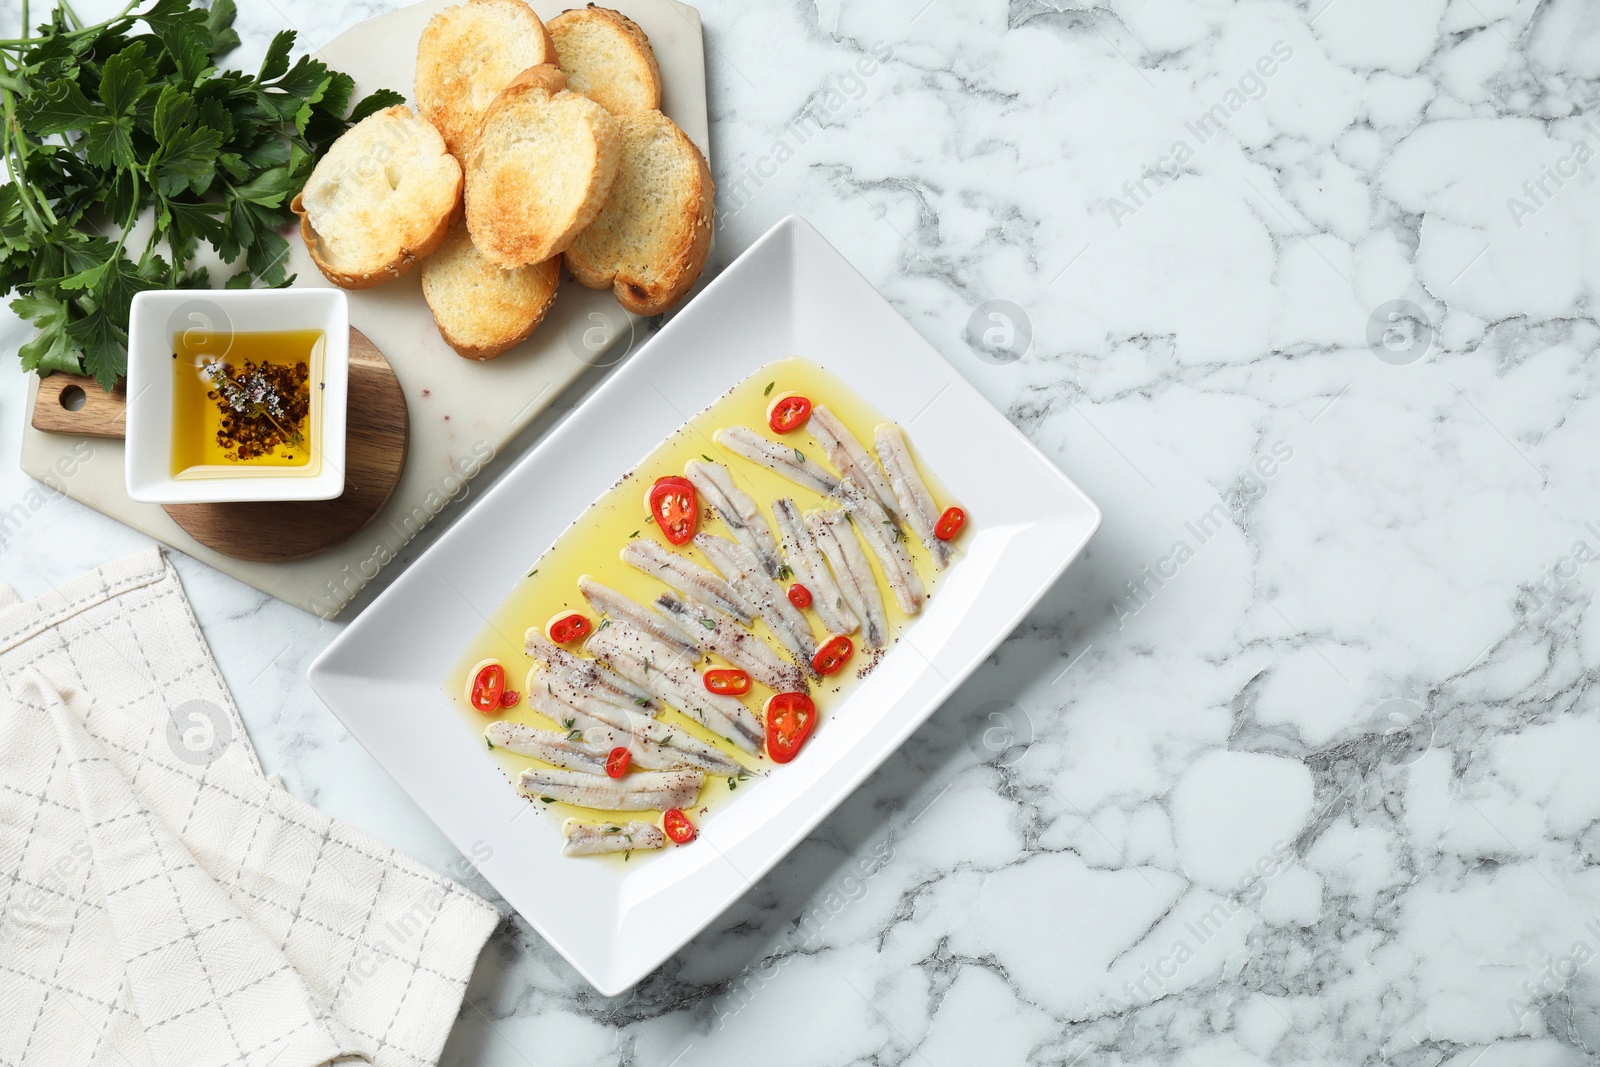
pixel 788 412
pixel 675 508
pixel 488 683
pixel 799 596
pixel 729 681
pixel 509 698
pixel 568 627
pixel 950 524
pixel 833 654
pixel 678 826
pixel 790 718
pixel 617 762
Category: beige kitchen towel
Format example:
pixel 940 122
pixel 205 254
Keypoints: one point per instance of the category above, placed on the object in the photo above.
pixel 162 902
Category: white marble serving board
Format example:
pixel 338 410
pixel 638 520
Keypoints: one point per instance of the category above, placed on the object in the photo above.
pixel 462 412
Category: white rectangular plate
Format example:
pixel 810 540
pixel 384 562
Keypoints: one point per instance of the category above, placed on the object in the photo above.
pixel 791 294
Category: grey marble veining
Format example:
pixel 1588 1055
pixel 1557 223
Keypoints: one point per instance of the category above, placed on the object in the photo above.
pixel 1296 765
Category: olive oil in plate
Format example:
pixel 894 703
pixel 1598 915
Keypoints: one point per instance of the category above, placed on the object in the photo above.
pixel 247 403
pixel 592 546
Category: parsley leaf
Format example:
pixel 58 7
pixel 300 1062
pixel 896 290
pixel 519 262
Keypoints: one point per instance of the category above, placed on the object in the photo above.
pixel 102 123
pixel 51 349
pixel 375 103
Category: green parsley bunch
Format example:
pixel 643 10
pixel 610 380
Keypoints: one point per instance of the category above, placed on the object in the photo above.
pixel 105 123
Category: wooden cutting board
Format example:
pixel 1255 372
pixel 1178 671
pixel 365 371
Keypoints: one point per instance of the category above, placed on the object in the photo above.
pixel 462 413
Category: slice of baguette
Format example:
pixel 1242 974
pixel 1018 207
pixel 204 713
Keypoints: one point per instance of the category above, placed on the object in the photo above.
pixel 382 198
pixel 466 55
pixel 480 309
pixel 607 58
pixel 540 170
pixel 649 243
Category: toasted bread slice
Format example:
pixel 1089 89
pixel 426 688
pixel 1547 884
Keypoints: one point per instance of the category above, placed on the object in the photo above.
pixel 480 309
pixel 649 243
pixel 540 170
pixel 607 57
pixel 466 55
pixel 381 199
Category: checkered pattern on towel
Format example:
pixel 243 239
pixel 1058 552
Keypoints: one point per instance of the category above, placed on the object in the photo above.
pixel 163 902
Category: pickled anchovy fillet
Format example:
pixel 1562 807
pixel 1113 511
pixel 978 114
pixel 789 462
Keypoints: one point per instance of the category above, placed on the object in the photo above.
pixel 645 790
pixel 851 458
pixel 648 755
pixel 548 745
pixel 589 839
pixel 655 745
pixel 780 459
pixel 587 673
pixel 842 549
pixel 623 608
pixel 888 544
pixel 687 577
pixel 806 560
pixel 733 643
pixel 917 506
pixel 674 679
pixel 743 572
pixel 738 510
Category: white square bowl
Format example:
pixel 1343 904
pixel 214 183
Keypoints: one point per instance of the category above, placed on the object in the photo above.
pixel 791 294
pixel 157 316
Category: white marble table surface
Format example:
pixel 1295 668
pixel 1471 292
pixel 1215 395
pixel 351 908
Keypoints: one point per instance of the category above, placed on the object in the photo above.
pixel 1297 764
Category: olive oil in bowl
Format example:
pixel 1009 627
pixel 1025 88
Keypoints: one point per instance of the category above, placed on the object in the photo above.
pixel 247 404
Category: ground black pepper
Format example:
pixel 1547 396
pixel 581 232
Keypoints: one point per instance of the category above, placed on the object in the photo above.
pixel 264 406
